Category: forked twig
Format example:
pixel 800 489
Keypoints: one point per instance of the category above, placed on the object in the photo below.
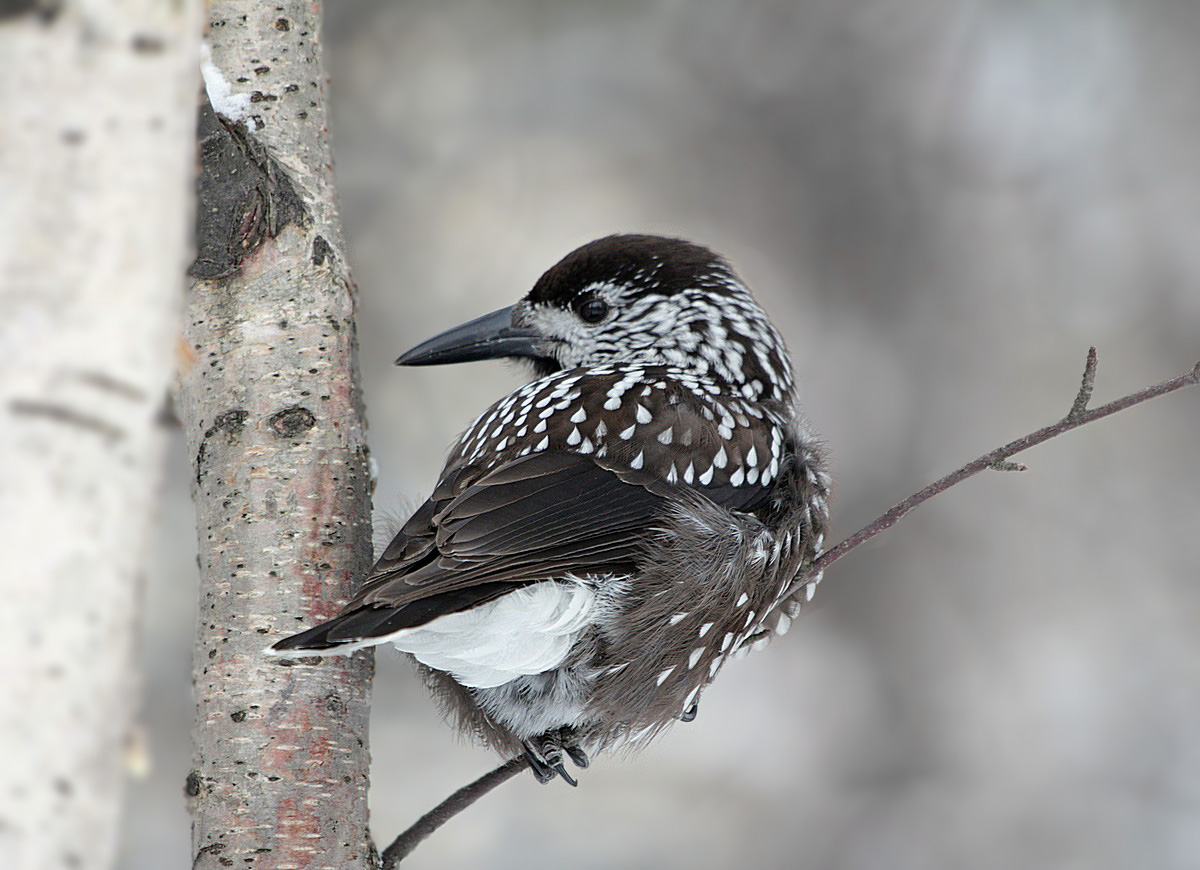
pixel 1077 416
pixel 997 460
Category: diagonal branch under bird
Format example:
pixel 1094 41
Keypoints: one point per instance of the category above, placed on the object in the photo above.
pixel 604 538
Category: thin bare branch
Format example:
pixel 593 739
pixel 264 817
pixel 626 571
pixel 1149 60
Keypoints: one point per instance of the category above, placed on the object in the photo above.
pixel 448 809
pixel 1079 406
pixel 997 460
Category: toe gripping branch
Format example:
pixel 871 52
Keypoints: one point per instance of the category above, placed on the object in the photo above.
pixel 545 754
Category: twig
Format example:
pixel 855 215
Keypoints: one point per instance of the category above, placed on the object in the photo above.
pixel 1079 406
pixel 1077 416
pixel 997 460
pixel 448 809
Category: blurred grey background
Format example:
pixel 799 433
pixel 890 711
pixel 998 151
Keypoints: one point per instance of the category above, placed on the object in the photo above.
pixel 942 204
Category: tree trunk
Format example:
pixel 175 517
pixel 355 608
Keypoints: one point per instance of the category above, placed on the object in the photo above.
pixel 274 419
pixel 95 184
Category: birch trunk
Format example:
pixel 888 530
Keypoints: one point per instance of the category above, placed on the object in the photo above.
pixel 96 146
pixel 274 421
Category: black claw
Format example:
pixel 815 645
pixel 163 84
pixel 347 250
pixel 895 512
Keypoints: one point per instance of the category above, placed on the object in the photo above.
pixel 578 756
pixel 562 771
pixel 690 713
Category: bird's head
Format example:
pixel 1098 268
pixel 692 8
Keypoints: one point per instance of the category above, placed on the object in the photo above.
pixel 639 299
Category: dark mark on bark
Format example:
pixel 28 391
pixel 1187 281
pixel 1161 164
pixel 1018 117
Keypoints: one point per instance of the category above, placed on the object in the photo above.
pixel 282 24
pixel 239 716
pixel 260 97
pixel 73 137
pixel 148 43
pixel 45 10
pixel 243 197
pixel 109 384
pixel 191 786
pixel 230 422
pixel 321 250
pixel 292 422
pixel 262 70
pixel 68 416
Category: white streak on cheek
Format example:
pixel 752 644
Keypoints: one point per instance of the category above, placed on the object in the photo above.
pixel 235 107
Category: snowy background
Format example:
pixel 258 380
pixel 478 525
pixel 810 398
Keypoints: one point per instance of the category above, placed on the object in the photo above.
pixel 942 204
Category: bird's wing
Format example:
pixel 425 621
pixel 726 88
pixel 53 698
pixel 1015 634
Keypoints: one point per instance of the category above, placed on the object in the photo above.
pixel 537 517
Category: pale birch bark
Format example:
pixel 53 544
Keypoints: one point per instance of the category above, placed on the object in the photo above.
pixel 274 421
pixel 96 161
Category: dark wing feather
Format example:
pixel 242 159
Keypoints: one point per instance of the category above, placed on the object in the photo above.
pixel 482 535
pixel 535 518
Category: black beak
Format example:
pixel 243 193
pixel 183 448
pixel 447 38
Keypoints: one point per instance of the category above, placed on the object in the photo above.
pixel 487 337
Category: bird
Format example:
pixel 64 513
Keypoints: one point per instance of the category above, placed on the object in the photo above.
pixel 604 538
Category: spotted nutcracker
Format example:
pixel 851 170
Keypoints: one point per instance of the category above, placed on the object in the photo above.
pixel 602 539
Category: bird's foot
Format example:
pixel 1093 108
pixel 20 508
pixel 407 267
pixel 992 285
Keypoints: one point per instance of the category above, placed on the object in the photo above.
pixel 545 756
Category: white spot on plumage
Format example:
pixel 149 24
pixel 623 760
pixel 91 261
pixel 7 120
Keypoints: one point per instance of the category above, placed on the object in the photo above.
pixel 677 618
pixel 666 672
pixel 665 436
pixel 749 619
pixel 540 427
pixel 704 628
pixel 742 600
pixel 752 457
pixel 712 668
pixel 543 444
pixel 626 434
pixel 726 641
pixel 672 477
pixel 612 403
pixel 720 458
pixel 737 477
pixel 636 462
pixel 643 414
pixel 586 447
pixel 782 624
pixel 707 476
pixel 503 442
pixel 691 696
pixel 752 475
pixel 809 591
pixel 695 656
pixel 579 416
pixel 574 438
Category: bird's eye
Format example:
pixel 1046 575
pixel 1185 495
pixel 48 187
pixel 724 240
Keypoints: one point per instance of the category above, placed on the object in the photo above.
pixel 592 310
